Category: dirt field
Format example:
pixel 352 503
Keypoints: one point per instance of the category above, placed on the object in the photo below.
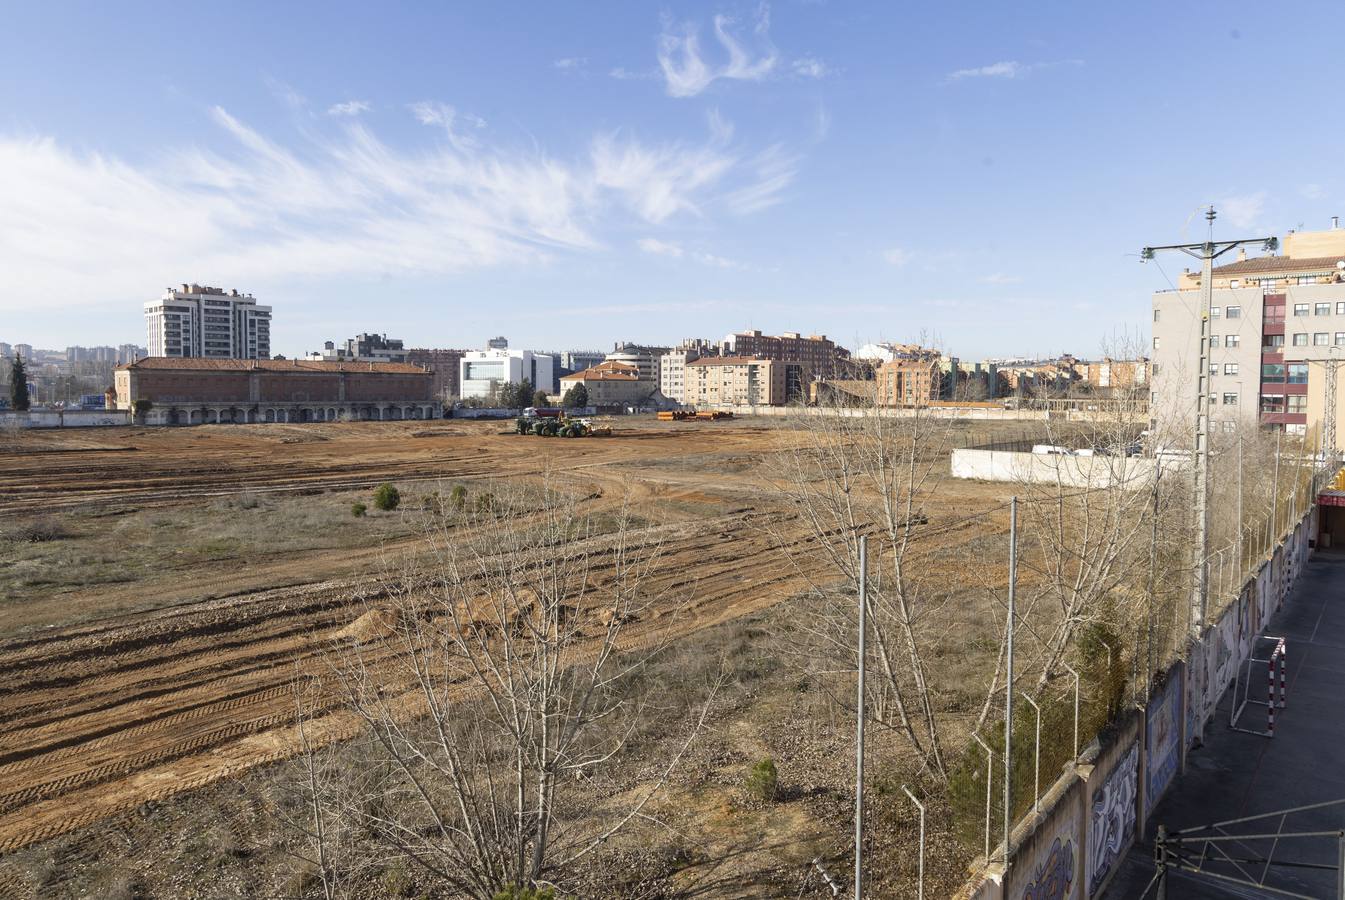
pixel 148 649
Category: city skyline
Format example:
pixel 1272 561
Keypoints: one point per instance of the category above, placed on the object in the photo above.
pixel 637 175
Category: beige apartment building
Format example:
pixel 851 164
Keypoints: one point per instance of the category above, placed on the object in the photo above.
pixel 1275 322
pixel 612 384
pixel 720 381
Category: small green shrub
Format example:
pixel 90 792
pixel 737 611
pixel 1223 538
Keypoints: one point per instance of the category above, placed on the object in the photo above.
pixel 358 510
pixel 457 498
pixel 514 892
pixel 387 497
pixel 763 782
pixel 38 531
pixel 397 882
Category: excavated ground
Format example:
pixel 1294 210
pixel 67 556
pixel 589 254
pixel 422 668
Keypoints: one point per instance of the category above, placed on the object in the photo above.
pixel 186 678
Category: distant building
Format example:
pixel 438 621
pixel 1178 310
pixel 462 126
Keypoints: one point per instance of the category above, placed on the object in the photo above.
pixel 612 384
pixel 643 357
pixel 194 391
pixel 483 372
pixel 199 321
pixel 715 381
pixel 578 360
pixel 444 365
pixel 498 343
pixel 910 382
pixel 23 351
pixel 1113 374
pixel 816 353
pixel 362 348
pixel 672 366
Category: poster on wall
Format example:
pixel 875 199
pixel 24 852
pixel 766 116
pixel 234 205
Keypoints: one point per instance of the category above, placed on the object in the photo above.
pixel 1162 736
pixel 1196 681
pixel 1051 870
pixel 1224 638
pixel 1246 608
pixel 1111 818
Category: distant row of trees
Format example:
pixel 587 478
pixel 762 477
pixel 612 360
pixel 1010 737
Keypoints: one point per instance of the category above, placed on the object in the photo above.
pixel 521 394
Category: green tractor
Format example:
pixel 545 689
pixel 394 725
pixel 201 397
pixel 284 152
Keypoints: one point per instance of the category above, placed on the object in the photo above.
pixel 546 427
pixel 524 425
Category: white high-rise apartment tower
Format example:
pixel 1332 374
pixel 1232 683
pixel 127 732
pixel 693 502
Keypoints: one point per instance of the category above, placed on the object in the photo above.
pixel 206 321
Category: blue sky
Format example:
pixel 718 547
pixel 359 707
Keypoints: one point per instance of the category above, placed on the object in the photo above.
pixel 572 174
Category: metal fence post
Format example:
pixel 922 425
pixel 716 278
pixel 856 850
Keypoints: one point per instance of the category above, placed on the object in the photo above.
pixel 922 840
pixel 1036 762
pixel 989 777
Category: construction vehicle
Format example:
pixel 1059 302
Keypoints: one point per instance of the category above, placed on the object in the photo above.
pixel 561 426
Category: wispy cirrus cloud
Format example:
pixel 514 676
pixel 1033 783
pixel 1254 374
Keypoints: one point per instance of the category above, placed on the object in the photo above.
pixel 660 248
pixel 1000 278
pixel 1243 210
pixel 571 63
pixel 674 250
pixel 896 256
pixel 75 225
pixel 686 69
pixel 1008 69
pixel 811 67
pixel 348 108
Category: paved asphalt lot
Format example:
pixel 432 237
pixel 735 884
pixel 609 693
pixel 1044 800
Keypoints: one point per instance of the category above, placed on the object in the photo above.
pixel 1235 774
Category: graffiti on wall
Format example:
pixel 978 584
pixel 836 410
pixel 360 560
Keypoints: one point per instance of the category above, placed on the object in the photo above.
pixel 1111 820
pixel 1162 734
pixel 1053 878
pixel 1197 684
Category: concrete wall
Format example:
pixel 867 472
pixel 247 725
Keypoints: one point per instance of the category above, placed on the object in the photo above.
pixel 1104 801
pixel 65 418
pixel 1039 468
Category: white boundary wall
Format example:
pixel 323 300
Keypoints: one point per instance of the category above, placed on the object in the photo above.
pixel 1132 472
pixel 65 418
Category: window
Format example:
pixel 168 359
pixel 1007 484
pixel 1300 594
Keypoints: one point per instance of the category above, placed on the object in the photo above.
pixel 1230 368
pixel 1232 340
pixel 1153 368
pixel 1229 425
pixel 1230 399
pixel 1307 279
pixel 1322 309
pixel 1298 403
pixel 1274 340
pixel 1155 343
pixel 1300 309
pixel 1153 398
pixel 1320 339
pixel 1215 312
pixel 1340 338
pixel 1214 369
pixel 1340 308
pixel 1233 312
pixel 1156 314
pixel 1214 340
pixel 1272 372
pixel 1301 339
pixel 1234 283
pixel 1298 373
pixel 1272 403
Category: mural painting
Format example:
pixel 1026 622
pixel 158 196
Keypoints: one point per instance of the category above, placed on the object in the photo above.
pixel 1224 638
pixel 1197 681
pixel 1162 734
pixel 1053 878
pixel 1111 821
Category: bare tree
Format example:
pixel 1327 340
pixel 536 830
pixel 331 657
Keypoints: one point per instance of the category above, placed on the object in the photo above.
pixel 869 471
pixel 495 681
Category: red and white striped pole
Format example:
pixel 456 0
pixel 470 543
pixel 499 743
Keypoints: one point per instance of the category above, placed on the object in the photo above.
pixel 1270 689
pixel 1284 663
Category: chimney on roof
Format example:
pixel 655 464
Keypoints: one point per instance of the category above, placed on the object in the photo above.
pixel 1242 254
pixel 1335 223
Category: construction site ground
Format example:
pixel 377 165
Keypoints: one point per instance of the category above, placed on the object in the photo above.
pixel 149 645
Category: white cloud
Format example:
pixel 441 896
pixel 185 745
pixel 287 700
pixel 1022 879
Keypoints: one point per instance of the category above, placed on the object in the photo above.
pixel 1242 211
pixel 241 208
pixel 1008 69
pixel 349 108
pixel 621 74
pixel 811 67
pixel 710 259
pixel 775 169
pixel 686 72
pixel 897 256
pixel 1312 191
pixel 1001 278
pixel 571 63
pixel 660 248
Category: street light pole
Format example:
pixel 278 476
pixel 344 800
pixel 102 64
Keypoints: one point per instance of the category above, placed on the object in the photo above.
pixel 1206 252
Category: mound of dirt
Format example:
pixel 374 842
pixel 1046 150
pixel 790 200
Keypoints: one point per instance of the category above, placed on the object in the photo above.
pixel 376 623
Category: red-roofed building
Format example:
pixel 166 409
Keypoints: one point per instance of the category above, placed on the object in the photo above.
pixel 197 390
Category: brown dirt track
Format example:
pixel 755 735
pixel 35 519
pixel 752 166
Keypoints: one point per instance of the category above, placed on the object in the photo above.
pixel 98 718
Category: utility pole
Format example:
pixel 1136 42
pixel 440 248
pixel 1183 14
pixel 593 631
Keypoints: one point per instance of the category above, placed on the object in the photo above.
pixel 1329 425
pixel 859 718
pixel 1207 253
